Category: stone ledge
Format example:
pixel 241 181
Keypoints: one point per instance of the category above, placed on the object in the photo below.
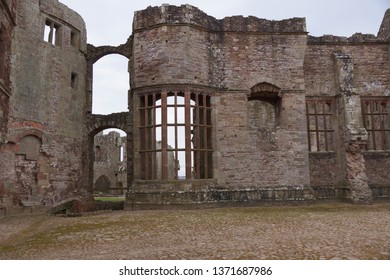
pixel 380 192
pixel 376 154
pixel 248 195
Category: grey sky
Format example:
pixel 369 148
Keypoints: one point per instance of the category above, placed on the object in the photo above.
pixel 109 22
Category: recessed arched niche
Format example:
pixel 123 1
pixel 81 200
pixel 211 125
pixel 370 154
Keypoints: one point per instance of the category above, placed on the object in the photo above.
pixel 263 107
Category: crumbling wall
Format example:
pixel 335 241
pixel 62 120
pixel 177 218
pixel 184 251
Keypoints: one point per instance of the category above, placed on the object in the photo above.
pixel 48 101
pixel 255 75
pixel 384 30
pixel 110 165
pixel 7 23
pixel 180 48
pixel 261 141
pixel 348 69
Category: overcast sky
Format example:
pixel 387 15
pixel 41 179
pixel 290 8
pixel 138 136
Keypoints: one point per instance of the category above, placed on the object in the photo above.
pixel 109 22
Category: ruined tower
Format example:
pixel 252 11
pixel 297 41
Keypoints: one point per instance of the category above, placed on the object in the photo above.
pixel 216 77
pixel 42 148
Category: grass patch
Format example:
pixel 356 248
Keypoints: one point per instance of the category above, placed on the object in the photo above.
pixel 6 248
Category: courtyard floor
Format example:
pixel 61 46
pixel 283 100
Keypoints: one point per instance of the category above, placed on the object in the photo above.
pixel 328 231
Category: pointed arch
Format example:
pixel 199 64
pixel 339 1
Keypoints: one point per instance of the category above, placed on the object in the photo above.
pixel 102 184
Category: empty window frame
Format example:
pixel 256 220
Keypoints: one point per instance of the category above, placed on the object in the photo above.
pixel 75 38
pixel 376 121
pixel 121 154
pixel 176 136
pixel 74 80
pixel 52 32
pixel 320 127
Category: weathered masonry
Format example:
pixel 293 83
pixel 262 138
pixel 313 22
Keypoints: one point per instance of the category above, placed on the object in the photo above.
pixel 42 149
pixel 237 110
pixel 110 176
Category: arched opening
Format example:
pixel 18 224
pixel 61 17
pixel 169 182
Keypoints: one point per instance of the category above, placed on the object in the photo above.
pixel 102 184
pixel 110 85
pixel 263 107
pixel 110 161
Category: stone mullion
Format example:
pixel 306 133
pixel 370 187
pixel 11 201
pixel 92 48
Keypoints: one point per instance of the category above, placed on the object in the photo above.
pixel 164 136
pixel 154 147
pixel 176 140
pixel 187 101
pixel 308 125
pixel 325 126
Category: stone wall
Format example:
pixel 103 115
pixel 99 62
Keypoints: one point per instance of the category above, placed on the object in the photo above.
pixel 110 170
pixel 184 48
pixel 362 70
pixel 7 24
pixel 48 76
pixel 250 80
pixel 377 164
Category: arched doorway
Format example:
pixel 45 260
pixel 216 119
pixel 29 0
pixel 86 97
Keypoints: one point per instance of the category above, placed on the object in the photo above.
pixel 110 85
pixel 102 185
pixel 110 162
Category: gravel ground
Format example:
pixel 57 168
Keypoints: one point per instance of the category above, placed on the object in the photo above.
pixel 332 231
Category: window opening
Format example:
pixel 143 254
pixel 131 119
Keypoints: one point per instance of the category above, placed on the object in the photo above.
pixel 121 154
pixel 110 92
pixel 52 32
pixel 376 121
pixel 264 106
pixel 74 81
pixel 176 136
pixel 75 38
pixel 319 113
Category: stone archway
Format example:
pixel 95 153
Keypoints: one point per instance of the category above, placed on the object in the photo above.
pixel 97 123
pixel 102 184
pixel 96 53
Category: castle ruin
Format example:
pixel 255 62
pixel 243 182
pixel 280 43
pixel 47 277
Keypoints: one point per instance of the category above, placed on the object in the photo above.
pixel 237 110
